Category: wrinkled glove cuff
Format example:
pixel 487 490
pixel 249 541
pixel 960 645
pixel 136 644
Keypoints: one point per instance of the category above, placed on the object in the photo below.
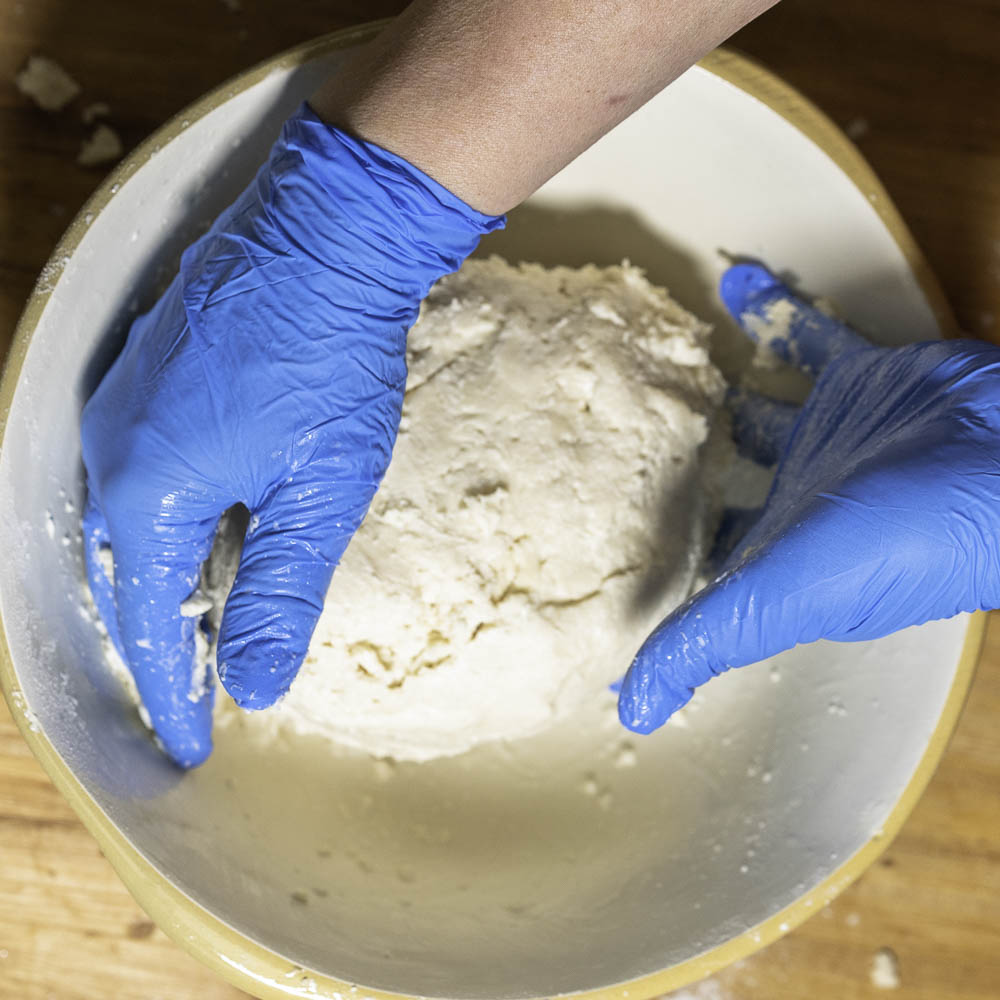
pixel 383 197
pixel 329 204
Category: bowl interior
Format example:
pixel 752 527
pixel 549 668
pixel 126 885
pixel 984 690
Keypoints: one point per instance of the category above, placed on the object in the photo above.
pixel 553 864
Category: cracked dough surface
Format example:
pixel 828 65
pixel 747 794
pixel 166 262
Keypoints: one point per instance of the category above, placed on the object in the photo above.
pixel 542 511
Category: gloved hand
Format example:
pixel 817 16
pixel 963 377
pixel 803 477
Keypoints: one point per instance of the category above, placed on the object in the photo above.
pixel 271 373
pixel 884 513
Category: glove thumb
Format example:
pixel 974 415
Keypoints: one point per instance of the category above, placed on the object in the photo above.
pixel 808 583
pixel 686 649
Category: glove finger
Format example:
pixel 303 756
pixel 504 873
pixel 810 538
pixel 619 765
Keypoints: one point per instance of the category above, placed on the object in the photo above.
pixel 761 426
pixel 289 554
pixel 163 648
pixel 821 579
pixel 685 650
pixel 100 570
pixel 773 315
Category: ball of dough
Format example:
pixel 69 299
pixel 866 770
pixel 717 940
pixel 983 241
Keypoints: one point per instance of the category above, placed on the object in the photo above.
pixel 542 511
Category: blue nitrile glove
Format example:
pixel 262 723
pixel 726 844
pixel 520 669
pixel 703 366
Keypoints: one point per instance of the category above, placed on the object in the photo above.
pixel 884 513
pixel 270 373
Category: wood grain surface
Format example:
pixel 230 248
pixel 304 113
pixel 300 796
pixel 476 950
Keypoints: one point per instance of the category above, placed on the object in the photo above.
pixel 917 83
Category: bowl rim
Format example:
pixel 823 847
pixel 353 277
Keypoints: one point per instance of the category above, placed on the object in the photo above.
pixel 259 970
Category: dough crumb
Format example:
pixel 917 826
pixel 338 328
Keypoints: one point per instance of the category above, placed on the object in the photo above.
pixel 104 146
pixel 708 989
pixel 885 970
pixel 627 757
pixel 99 109
pixel 197 604
pixel 856 128
pixel 772 333
pixel 46 83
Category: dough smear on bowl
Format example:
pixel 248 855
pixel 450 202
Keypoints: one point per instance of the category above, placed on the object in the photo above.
pixel 543 509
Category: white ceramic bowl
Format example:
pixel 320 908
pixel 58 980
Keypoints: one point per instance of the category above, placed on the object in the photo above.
pixel 495 874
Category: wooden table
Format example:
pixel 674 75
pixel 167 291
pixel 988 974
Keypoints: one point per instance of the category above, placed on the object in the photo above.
pixel 916 82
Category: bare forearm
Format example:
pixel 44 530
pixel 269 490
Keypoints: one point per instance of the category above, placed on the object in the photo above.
pixel 492 97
